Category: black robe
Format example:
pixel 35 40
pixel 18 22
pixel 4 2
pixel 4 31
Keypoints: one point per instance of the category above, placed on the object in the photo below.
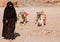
pixel 8 28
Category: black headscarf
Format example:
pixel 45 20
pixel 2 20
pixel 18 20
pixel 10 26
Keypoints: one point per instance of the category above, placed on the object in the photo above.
pixel 9 11
pixel 9 6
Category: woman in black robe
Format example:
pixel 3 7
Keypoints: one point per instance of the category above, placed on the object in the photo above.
pixel 9 21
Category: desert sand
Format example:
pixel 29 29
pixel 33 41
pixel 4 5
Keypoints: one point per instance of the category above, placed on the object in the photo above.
pixel 31 32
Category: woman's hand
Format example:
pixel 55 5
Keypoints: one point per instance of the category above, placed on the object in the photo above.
pixel 6 21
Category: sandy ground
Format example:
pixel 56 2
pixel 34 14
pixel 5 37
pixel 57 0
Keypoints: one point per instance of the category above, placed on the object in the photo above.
pixel 31 32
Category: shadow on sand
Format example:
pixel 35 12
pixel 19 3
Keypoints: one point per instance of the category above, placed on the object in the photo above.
pixel 16 35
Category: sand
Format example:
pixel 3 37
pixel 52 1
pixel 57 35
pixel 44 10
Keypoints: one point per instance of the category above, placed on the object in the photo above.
pixel 31 32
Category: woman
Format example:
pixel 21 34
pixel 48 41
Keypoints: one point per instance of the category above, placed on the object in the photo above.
pixel 24 17
pixel 9 21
